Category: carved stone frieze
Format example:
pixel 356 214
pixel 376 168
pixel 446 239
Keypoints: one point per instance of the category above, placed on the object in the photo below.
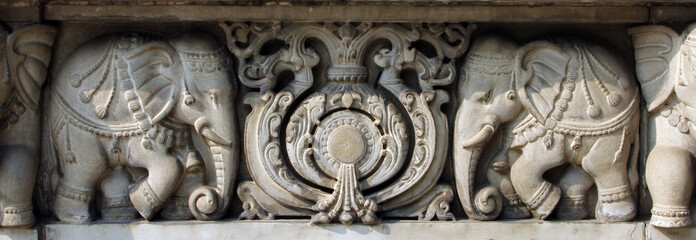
pixel 666 70
pixel 371 120
pixel 562 101
pixel 344 138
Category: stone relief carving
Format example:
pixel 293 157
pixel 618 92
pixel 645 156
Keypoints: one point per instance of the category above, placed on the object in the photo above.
pixel 24 57
pixel 666 70
pixel 123 117
pixel 338 140
pixel 566 101
pixel 345 125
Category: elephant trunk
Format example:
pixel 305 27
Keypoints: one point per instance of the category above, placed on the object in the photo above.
pixel 487 203
pixel 211 203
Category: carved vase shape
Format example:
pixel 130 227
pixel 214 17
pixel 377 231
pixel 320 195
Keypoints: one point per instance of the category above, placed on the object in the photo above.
pixel 348 150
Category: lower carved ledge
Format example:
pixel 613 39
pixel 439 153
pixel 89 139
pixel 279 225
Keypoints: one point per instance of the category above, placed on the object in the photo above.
pixel 301 229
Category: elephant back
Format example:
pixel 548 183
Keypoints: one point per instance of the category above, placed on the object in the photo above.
pixel 119 84
pixel 575 86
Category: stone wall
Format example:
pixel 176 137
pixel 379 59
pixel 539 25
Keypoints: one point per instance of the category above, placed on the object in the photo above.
pixel 483 119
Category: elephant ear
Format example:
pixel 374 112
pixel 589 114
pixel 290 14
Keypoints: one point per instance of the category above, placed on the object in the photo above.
pixel 28 56
pixel 656 49
pixel 155 71
pixel 540 67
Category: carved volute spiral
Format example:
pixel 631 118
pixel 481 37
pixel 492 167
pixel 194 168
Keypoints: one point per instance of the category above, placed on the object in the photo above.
pixel 346 151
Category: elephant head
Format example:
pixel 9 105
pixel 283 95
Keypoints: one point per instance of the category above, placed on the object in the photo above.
pixel 207 104
pixel 24 64
pixel 199 68
pixel 493 91
pixel 665 66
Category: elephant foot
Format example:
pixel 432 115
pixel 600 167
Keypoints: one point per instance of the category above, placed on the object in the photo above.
pixel 18 216
pixel 514 208
pixel 616 206
pixel 666 217
pixel 572 208
pixel 72 205
pixel 544 200
pixel 144 199
pixel 177 209
pixel 118 209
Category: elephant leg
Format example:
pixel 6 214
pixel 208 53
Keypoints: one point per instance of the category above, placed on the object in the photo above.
pixel 18 167
pixel 177 207
pixel 610 173
pixel 670 176
pixel 575 184
pixel 514 208
pixel 82 161
pixel 116 204
pixel 165 171
pixel 499 175
pixel 527 175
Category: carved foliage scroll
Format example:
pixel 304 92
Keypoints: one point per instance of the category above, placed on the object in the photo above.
pixel 325 142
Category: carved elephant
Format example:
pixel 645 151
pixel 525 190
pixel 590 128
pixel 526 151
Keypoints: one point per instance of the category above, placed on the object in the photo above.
pixel 565 100
pixel 666 70
pixel 128 105
pixel 24 58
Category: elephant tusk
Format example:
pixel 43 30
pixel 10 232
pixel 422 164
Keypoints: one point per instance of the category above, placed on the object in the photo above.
pixel 480 138
pixel 214 137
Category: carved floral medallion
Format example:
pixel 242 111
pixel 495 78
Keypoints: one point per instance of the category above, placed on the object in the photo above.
pixel 345 138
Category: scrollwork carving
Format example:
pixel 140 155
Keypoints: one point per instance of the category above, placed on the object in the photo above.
pixel 322 151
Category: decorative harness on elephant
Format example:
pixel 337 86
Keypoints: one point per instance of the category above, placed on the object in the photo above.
pixel 530 128
pixel 166 132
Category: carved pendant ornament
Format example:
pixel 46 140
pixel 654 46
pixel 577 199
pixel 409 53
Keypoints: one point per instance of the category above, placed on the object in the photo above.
pixel 325 142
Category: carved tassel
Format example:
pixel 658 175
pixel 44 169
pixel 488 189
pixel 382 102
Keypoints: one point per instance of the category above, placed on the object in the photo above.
pixel 617 155
pixel 577 143
pixel 614 99
pixel 593 111
pixel 548 139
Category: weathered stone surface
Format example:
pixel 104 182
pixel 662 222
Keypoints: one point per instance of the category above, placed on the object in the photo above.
pixel 24 234
pixel 288 229
pixel 357 13
pixel 658 233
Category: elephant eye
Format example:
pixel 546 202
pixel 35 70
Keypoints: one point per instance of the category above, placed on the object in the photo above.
pixel 213 94
pixel 486 97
